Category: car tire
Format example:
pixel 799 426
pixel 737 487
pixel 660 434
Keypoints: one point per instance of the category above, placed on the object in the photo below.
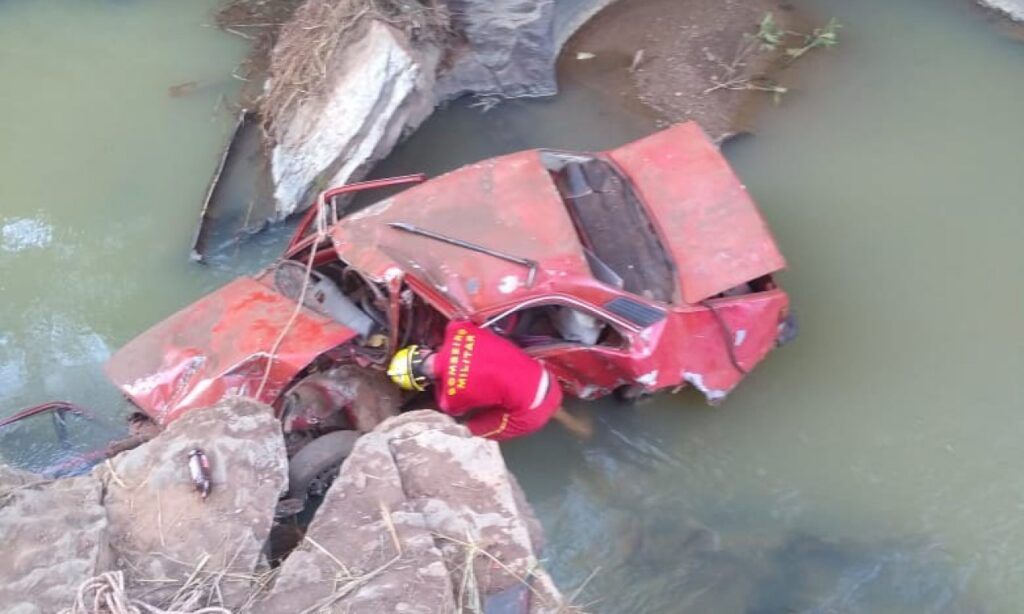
pixel 319 460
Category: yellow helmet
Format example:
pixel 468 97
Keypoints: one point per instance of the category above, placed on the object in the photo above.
pixel 406 369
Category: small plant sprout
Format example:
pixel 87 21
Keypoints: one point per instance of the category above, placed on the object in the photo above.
pixel 737 74
pixel 769 33
pixel 821 37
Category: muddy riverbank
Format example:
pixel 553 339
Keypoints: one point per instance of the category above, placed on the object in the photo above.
pixel 697 60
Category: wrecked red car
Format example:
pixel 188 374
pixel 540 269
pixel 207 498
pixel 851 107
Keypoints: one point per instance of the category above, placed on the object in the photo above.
pixel 633 270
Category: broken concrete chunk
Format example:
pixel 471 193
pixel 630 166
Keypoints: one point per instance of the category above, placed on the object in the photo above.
pixel 1011 8
pixel 54 538
pixel 382 84
pixel 160 527
pixel 380 88
pixel 417 500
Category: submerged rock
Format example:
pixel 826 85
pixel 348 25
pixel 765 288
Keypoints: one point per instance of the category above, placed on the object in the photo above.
pixel 422 518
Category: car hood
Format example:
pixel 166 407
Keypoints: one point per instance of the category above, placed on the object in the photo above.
pixel 218 346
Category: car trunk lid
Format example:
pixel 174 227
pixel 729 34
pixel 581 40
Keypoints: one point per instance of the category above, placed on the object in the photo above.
pixel 713 228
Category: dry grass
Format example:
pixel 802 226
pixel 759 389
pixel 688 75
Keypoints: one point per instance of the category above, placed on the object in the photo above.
pixel 107 594
pixel 470 597
pixel 294 42
pixel 345 582
pixel 196 589
pixel 199 593
pixel 260 22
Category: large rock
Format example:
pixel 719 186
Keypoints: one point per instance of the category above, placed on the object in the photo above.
pixel 54 538
pixel 1013 8
pixel 380 87
pixel 423 518
pixel 160 528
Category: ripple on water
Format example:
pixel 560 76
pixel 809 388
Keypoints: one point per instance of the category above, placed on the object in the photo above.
pixel 20 234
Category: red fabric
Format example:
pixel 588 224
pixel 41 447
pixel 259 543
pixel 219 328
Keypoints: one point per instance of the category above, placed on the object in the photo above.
pixel 477 369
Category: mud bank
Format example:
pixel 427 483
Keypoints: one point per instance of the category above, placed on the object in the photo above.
pixel 677 59
pixel 422 518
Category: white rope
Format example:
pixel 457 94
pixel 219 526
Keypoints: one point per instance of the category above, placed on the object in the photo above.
pixel 321 234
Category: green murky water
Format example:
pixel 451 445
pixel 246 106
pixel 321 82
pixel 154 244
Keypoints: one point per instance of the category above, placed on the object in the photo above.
pixel 872 466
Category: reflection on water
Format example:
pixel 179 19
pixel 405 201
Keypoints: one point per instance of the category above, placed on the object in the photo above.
pixel 102 174
pixel 21 234
pixel 871 466
pixel 624 514
pixel 58 443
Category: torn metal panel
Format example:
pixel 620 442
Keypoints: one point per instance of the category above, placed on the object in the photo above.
pixel 238 201
pixel 744 330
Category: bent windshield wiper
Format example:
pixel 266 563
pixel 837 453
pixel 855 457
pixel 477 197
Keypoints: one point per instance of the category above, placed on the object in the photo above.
pixel 430 234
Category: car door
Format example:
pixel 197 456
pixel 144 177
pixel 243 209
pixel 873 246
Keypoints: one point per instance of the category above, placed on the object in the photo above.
pixel 590 350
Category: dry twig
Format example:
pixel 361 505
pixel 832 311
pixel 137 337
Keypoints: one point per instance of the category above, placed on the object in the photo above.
pixel 307 45
pixel 325 552
pixel 107 594
pixel 519 577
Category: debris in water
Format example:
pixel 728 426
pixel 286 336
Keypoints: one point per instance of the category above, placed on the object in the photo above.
pixel 182 89
pixel 705 260
pixel 585 55
pixel 199 469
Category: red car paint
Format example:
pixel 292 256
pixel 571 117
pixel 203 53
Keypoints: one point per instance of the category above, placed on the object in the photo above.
pixel 703 332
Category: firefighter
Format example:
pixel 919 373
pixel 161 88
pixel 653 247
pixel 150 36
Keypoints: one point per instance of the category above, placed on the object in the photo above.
pixel 477 374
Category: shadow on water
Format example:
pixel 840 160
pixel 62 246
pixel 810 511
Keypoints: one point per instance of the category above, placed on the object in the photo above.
pixel 613 507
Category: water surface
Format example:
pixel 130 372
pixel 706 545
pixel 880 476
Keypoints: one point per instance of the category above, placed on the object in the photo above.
pixel 871 466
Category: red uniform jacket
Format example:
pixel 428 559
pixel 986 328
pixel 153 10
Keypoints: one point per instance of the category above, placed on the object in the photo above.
pixel 477 369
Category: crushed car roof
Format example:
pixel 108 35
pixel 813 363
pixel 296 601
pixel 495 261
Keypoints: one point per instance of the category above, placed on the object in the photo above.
pixel 508 204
